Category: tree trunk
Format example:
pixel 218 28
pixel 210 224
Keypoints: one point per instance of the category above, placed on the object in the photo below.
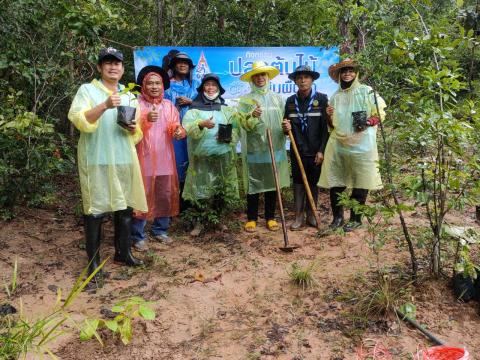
pixel 160 9
pixel 346 46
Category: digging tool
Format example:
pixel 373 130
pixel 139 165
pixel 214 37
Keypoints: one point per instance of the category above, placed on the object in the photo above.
pixel 304 178
pixel 412 322
pixel 286 247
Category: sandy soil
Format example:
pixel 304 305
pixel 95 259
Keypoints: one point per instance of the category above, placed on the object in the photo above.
pixel 248 310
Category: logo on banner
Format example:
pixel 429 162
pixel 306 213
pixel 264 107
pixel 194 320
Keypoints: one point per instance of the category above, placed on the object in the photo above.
pixel 202 67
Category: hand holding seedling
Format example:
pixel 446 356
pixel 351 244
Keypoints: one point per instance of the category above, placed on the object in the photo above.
pixel 209 124
pixel 113 100
pixel 257 112
pixel 131 127
pixel 153 115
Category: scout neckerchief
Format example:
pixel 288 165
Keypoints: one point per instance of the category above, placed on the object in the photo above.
pixel 304 116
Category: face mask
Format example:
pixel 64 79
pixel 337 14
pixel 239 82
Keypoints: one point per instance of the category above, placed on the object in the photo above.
pixel 213 97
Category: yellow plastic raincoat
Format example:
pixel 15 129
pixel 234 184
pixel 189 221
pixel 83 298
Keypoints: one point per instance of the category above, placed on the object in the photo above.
pixel 351 157
pixel 257 164
pixel 210 162
pixel 110 177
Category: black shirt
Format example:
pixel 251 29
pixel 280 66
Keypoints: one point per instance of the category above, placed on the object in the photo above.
pixel 316 136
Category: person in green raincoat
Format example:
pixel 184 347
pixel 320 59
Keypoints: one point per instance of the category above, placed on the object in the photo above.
pixel 109 171
pixel 351 156
pixel 212 135
pixel 262 109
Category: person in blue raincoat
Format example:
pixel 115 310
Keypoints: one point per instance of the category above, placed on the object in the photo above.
pixel 182 91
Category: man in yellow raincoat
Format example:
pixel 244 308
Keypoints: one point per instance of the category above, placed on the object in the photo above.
pixel 110 177
pixel 262 109
pixel 351 156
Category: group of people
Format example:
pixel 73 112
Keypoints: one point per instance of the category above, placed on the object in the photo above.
pixel 182 141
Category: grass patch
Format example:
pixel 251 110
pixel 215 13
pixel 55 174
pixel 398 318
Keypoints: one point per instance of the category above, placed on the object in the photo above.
pixel 302 275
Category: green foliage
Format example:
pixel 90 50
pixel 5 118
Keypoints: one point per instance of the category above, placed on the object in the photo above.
pixel 465 238
pixel 302 275
pixel 409 310
pixel 215 210
pixel 20 335
pixel 32 154
pixel 127 310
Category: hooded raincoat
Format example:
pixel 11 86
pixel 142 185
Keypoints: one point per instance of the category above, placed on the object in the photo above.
pixel 110 177
pixel 351 157
pixel 257 164
pixel 157 159
pixel 212 163
pixel 185 88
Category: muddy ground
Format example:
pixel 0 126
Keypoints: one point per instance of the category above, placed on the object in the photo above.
pixel 247 307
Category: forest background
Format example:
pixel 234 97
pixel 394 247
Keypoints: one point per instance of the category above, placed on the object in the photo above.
pixel 421 56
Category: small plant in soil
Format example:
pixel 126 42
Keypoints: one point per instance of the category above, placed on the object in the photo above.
pixel 20 335
pixel 302 275
pixel 379 297
pixel 11 287
pixel 127 310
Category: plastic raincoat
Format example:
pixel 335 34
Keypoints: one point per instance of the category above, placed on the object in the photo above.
pixel 257 164
pixel 157 160
pixel 109 171
pixel 211 162
pixel 187 89
pixel 351 157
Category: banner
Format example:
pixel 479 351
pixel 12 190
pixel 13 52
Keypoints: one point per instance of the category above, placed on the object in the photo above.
pixel 229 63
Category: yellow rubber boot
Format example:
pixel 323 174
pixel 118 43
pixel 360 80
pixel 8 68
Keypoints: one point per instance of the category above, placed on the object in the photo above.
pixel 251 226
pixel 272 225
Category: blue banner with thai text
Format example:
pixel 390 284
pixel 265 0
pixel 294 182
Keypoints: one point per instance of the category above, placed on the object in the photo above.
pixel 229 63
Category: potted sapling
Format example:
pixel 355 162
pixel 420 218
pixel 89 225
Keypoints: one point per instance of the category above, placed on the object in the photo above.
pixel 126 114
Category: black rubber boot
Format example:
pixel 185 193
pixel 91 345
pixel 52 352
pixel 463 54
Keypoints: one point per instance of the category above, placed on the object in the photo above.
pixel 299 199
pixel 123 238
pixel 477 213
pixel 93 237
pixel 311 219
pixel 356 219
pixel 337 209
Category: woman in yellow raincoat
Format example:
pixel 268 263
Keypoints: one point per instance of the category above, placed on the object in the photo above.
pixel 262 109
pixel 351 156
pixel 110 177
pixel 211 155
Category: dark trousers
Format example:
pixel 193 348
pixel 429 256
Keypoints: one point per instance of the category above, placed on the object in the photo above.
pixel 311 170
pixel 358 194
pixel 270 203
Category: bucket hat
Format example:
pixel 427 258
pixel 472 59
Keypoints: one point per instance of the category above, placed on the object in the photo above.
pixel 304 69
pixel 181 56
pixel 210 76
pixel 155 69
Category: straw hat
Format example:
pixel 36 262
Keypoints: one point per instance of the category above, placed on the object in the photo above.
pixel 334 69
pixel 259 67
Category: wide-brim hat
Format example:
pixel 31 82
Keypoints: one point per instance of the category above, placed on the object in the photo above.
pixel 181 56
pixel 304 69
pixel 214 77
pixel 259 67
pixel 334 70
pixel 156 69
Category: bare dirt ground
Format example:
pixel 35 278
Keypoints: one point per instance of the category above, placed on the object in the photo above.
pixel 246 309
